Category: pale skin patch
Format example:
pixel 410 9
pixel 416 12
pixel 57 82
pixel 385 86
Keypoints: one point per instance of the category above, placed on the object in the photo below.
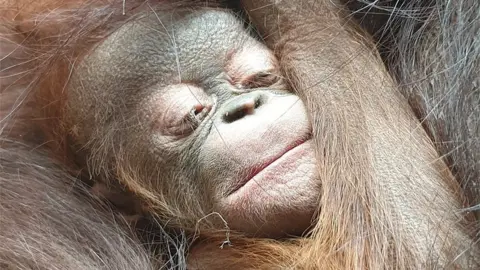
pixel 243 64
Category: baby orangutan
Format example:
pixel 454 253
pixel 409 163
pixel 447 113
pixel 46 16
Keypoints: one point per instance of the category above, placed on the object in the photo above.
pixel 179 132
pixel 190 113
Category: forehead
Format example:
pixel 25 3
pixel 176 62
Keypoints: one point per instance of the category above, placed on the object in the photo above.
pixel 161 46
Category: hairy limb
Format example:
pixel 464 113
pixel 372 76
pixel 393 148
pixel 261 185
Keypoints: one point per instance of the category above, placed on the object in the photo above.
pixel 49 223
pixel 397 198
pixel 440 80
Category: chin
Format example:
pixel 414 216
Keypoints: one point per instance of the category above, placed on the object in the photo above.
pixel 279 200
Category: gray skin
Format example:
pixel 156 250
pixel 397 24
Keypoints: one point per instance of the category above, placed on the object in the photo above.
pixel 191 107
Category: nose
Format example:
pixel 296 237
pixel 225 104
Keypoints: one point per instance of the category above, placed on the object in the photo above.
pixel 241 106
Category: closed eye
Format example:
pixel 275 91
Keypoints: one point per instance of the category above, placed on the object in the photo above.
pixel 258 80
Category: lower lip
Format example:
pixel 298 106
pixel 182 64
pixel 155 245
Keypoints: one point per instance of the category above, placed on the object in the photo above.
pixel 275 167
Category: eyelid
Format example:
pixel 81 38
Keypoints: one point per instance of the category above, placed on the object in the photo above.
pixel 210 111
pixel 213 107
pixel 184 109
pixel 266 78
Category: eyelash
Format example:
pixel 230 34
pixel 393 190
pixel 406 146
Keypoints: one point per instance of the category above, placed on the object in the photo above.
pixel 258 80
pixel 196 116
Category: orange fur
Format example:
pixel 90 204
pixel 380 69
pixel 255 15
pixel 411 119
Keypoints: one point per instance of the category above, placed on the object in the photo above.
pixel 388 200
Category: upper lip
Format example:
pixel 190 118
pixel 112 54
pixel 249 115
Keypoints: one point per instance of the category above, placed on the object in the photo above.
pixel 253 171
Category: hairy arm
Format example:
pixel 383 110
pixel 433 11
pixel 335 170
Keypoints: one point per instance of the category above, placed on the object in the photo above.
pixel 50 223
pixel 386 193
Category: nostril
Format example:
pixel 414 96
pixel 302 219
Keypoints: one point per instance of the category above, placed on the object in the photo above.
pixel 240 107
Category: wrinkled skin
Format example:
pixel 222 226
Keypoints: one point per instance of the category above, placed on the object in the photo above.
pixel 196 106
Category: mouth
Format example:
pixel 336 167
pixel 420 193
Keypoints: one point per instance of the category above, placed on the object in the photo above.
pixel 255 170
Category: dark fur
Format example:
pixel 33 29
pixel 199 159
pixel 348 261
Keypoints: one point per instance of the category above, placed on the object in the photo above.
pixel 432 48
